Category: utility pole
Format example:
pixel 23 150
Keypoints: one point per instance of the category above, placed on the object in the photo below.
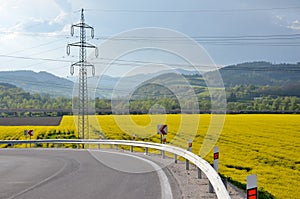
pixel 83 123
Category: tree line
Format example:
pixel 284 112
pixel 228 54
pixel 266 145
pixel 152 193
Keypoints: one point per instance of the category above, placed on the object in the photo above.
pixel 239 98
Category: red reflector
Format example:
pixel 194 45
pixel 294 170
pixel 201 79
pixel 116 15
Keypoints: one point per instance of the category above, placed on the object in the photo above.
pixel 252 193
pixel 216 155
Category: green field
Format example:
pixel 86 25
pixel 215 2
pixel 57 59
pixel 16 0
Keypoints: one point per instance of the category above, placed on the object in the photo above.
pixel 266 145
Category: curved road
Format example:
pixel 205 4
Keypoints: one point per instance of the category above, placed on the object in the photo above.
pixel 81 174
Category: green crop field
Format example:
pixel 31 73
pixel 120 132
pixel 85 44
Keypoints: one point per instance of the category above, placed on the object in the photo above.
pixel 266 145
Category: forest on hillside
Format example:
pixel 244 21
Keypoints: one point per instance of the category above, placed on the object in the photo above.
pixel 253 86
pixel 239 98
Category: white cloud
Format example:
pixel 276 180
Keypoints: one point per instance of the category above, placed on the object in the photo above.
pixel 59 19
pixel 17 11
pixel 280 17
pixel 294 25
pixel 8 36
pixel 41 23
pixel 287 22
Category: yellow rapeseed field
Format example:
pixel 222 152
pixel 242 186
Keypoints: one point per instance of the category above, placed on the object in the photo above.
pixel 266 145
pixel 17 132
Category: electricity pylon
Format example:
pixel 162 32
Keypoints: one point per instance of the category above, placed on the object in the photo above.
pixel 83 123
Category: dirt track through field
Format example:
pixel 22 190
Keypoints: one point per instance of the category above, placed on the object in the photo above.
pixel 30 121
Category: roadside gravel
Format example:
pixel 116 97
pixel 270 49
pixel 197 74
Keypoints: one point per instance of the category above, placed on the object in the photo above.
pixel 192 187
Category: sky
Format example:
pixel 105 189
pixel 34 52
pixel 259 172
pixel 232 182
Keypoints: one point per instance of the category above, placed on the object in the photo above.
pixel 34 33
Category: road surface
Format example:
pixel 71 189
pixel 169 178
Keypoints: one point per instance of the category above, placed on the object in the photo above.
pixel 81 174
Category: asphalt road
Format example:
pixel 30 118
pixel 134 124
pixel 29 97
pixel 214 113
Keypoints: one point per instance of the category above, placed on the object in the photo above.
pixel 81 174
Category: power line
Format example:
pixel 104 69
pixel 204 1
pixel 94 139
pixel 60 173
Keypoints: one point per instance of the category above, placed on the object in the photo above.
pixel 30 56
pixel 33 47
pixel 166 38
pixel 33 34
pixel 120 62
pixel 194 10
pixel 263 40
pixel 207 38
pixel 35 58
pixel 271 40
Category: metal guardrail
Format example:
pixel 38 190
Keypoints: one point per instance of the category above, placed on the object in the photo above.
pixel 204 166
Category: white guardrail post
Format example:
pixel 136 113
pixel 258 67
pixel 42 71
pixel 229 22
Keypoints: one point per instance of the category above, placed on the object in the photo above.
pixel 213 177
pixel 146 151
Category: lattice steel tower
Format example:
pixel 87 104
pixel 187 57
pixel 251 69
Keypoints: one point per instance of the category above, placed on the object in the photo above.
pixel 83 123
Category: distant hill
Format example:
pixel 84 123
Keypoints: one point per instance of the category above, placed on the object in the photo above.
pixel 121 86
pixel 273 79
pixel 41 82
pixel 258 86
pixel 266 79
pixel 250 73
pixel 170 85
pixel 260 74
pixel 12 97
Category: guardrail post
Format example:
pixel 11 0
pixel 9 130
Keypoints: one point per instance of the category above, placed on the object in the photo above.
pixel 187 164
pixel 78 146
pixel 165 142
pixel 146 151
pixel 199 173
pixel 225 182
pixel 131 148
pixel 175 158
pixel 163 154
pixel 117 147
pixel 99 146
pixel 34 145
pixel 210 188
pixel 251 186
pixel 216 166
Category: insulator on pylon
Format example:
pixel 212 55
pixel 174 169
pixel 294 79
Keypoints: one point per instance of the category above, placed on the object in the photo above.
pixel 68 50
pixel 72 70
pixel 93 70
pixel 96 52
pixel 72 30
pixel 92 33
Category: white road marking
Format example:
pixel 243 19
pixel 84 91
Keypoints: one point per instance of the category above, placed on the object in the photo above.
pixel 166 191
